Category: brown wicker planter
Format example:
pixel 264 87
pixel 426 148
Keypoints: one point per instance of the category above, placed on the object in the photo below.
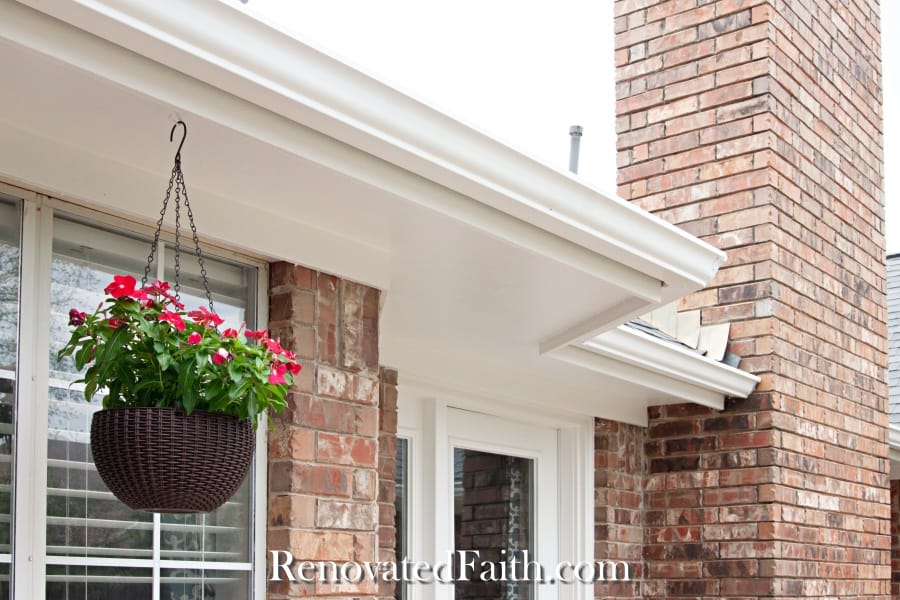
pixel 160 460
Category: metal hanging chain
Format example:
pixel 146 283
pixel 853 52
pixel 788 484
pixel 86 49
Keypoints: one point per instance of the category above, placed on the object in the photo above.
pixel 176 182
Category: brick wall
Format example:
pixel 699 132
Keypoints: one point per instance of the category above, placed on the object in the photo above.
pixel 895 539
pixel 387 474
pixel 324 449
pixel 619 474
pixel 756 125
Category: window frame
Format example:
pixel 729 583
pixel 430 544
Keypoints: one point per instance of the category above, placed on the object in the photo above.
pixel 29 558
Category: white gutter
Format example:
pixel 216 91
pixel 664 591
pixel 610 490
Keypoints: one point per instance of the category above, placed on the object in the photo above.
pixel 253 60
pixel 894 442
pixel 632 347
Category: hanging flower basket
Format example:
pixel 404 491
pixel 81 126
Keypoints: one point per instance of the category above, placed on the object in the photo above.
pixel 163 460
pixel 182 398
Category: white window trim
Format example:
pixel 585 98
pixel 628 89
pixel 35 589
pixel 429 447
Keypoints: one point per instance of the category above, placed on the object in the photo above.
pixel 422 410
pixel 30 483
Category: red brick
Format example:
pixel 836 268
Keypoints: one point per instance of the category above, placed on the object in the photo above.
pixel 792 192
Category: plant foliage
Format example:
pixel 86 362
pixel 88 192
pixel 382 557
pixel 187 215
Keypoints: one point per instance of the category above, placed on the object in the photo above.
pixel 144 349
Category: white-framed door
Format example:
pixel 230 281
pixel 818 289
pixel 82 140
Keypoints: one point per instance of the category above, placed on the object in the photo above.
pixel 504 489
pixel 438 422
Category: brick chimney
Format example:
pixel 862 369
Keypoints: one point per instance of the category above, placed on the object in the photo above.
pixel 756 125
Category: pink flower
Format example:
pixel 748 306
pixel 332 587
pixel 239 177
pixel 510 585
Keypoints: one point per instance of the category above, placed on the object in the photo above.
pixel 221 356
pixel 276 375
pixel 256 335
pixel 116 323
pixel 122 285
pixel 194 338
pixel 206 317
pixel 294 368
pixel 174 319
pixel 273 345
pixel 230 332
pixel 161 288
pixel 76 317
pixel 140 295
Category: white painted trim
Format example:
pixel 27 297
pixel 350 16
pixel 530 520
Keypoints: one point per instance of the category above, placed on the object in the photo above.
pixel 40 328
pixel 26 517
pixel 634 347
pixel 256 62
pixel 260 495
pixel 894 437
pixel 667 387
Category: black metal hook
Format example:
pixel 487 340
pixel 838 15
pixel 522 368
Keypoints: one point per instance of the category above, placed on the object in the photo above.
pixel 183 137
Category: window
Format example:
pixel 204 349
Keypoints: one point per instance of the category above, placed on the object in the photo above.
pixel 91 545
pixel 10 236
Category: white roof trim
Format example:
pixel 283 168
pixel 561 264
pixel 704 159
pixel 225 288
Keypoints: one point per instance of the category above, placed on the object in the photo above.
pixel 894 439
pixel 894 450
pixel 630 346
pixel 256 62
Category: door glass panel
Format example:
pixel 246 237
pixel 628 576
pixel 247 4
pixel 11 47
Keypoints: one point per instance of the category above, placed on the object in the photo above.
pixel 494 516
pixel 199 584
pixel 83 518
pixel 10 227
pixel 99 583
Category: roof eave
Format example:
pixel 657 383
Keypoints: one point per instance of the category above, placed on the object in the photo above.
pixel 633 347
pixel 256 61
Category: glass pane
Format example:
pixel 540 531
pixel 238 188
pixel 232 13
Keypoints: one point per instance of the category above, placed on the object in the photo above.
pixel 401 510
pixel 222 535
pixel 83 517
pixel 196 584
pixel 10 227
pixel 98 583
pixel 493 514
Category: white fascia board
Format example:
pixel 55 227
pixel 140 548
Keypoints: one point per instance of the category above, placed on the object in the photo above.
pixel 255 61
pixel 894 439
pixel 636 348
pixel 667 387
pixel 894 448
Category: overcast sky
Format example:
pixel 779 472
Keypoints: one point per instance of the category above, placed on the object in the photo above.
pixel 522 71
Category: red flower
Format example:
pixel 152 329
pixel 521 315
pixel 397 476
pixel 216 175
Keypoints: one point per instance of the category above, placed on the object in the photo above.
pixel 276 375
pixel 158 287
pixel 161 288
pixel 122 285
pixel 273 345
pixel 221 356
pixel 76 317
pixel 116 323
pixel 293 367
pixel 174 319
pixel 205 317
pixel 194 338
pixel 256 335
pixel 140 295
pixel 230 333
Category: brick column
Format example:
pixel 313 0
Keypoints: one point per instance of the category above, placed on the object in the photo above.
pixel 323 451
pixel 756 125
pixel 387 475
pixel 895 539
pixel 619 474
